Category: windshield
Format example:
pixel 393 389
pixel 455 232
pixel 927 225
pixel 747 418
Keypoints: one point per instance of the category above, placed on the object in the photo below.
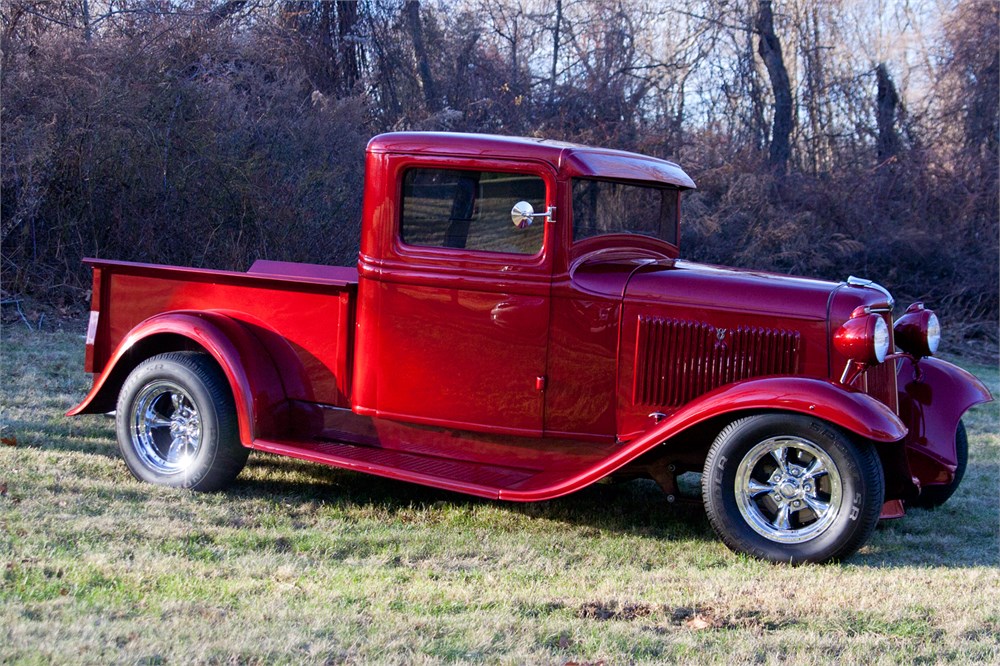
pixel 605 207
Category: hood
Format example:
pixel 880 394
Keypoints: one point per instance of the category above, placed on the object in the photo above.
pixel 688 328
pixel 702 287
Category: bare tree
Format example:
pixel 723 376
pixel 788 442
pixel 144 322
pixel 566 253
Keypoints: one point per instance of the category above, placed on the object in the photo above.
pixel 422 61
pixel 769 48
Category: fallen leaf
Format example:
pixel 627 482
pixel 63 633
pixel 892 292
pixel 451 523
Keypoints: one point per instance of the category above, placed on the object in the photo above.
pixel 63 591
pixel 699 622
pixel 8 441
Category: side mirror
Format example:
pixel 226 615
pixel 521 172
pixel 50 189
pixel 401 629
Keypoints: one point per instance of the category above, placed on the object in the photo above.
pixel 523 214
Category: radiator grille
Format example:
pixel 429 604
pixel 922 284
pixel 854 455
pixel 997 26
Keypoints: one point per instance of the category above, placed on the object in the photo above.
pixel 879 381
pixel 676 360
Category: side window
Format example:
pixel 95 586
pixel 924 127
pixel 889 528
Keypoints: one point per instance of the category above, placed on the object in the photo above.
pixel 470 210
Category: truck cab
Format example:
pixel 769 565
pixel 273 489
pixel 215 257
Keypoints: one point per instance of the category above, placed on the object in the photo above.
pixel 454 292
pixel 519 325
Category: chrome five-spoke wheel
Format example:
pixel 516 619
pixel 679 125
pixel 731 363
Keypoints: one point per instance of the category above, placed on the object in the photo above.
pixel 177 423
pixel 166 427
pixel 788 489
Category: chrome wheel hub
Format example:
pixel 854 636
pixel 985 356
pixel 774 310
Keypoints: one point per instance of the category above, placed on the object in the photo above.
pixel 165 427
pixel 788 489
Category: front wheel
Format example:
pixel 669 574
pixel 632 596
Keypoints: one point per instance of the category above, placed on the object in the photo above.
pixel 791 488
pixel 176 423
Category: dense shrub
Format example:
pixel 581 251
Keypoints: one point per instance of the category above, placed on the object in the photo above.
pixel 201 154
pixel 213 134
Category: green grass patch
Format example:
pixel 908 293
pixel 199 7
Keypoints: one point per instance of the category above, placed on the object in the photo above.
pixel 302 563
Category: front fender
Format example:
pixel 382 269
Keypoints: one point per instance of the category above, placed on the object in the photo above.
pixel 933 396
pixel 257 388
pixel 826 400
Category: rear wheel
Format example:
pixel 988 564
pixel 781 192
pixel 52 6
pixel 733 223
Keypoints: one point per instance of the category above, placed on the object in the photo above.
pixel 176 423
pixel 791 488
pixel 934 496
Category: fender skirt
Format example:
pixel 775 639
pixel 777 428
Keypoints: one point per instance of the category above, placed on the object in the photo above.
pixel 257 388
pixel 933 396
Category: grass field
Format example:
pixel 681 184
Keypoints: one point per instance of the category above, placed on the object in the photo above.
pixel 298 562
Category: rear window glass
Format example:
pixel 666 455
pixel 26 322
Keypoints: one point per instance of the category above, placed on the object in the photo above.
pixel 470 210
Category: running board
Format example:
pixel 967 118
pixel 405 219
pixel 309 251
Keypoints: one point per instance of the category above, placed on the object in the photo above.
pixel 472 478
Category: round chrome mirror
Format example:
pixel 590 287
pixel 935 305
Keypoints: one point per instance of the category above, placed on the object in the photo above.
pixel 521 214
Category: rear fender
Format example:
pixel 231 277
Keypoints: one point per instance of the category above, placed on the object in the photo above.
pixel 257 388
pixel 933 396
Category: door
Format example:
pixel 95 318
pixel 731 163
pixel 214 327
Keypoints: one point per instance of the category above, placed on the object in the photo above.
pixel 463 297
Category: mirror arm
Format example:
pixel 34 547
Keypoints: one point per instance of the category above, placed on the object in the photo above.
pixel 549 213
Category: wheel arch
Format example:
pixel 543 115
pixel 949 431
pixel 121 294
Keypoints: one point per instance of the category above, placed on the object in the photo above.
pixel 688 448
pixel 933 397
pixel 686 436
pixel 252 376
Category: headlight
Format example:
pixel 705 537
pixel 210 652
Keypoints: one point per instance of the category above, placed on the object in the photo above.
pixel 863 338
pixel 881 339
pixel 918 331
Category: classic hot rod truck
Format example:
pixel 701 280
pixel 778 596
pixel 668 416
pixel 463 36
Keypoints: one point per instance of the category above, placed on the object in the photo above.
pixel 518 326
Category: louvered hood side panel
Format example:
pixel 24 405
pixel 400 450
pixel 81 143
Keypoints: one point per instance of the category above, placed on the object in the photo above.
pixel 678 360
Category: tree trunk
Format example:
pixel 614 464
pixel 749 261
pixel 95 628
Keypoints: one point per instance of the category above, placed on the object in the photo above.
pixel 87 28
pixel 555 52
pixel 424 76
pixel 769 49
pixel 347 18
pixel 886 105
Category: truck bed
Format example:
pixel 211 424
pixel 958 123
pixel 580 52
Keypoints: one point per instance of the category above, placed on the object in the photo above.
pixel 302 314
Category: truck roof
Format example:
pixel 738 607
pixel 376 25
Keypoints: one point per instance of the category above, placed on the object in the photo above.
pixel 569 159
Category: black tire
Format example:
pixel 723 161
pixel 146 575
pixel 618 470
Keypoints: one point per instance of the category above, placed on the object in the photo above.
pixel 932 497
pixel 795 512
pixel 176 423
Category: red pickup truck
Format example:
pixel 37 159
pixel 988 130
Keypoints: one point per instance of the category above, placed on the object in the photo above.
pixel 518 326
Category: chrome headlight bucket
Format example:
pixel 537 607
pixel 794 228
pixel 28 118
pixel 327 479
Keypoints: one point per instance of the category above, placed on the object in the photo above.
pixel 864 338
